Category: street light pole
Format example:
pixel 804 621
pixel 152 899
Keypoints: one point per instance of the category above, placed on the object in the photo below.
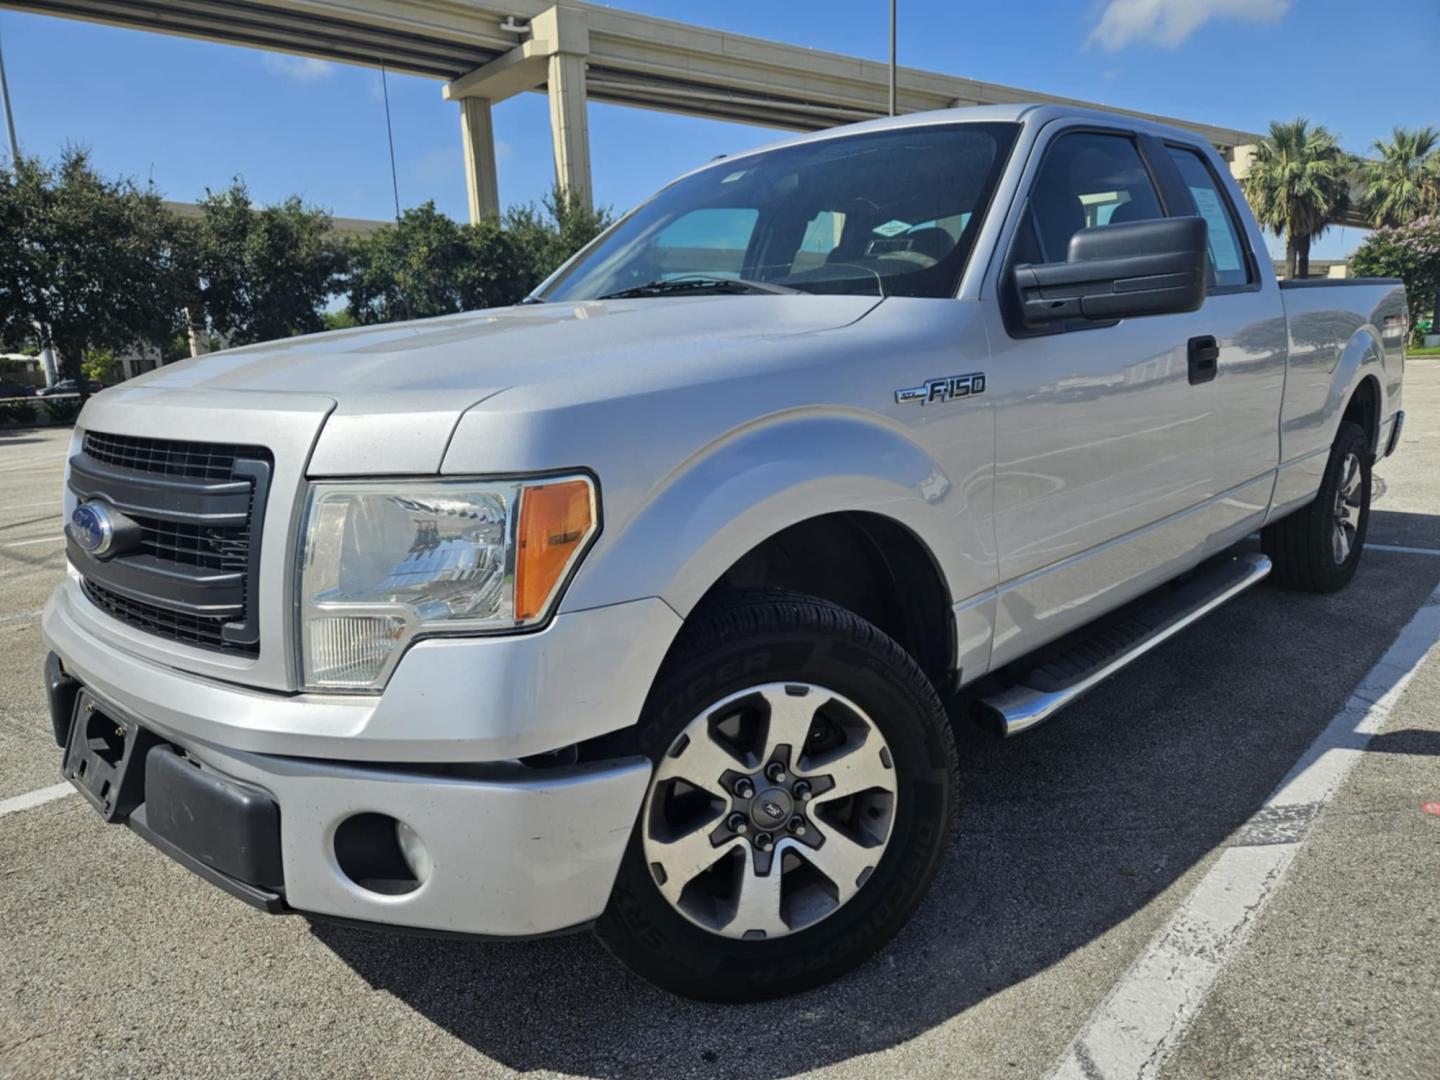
pixel 892 57
pixel 47 354
pixel 9 116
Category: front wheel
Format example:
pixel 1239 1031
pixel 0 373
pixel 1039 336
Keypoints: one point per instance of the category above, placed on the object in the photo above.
pixel 804 781
pixel 1318 547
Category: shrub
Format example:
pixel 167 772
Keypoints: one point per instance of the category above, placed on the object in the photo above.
pixel 61 410
pixel 19 412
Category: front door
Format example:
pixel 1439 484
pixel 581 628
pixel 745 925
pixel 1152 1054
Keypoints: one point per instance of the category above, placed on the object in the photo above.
pixel 1103 444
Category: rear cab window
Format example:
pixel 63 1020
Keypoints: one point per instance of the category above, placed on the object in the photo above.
pixel 1229 268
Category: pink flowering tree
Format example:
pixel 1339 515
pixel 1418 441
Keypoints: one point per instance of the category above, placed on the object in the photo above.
pixel 1411 253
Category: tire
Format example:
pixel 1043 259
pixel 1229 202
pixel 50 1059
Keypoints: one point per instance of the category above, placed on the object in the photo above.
pixel 1308 548
pixel 738 678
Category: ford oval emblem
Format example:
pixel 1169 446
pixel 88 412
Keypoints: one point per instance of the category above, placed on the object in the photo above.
pixel 92 528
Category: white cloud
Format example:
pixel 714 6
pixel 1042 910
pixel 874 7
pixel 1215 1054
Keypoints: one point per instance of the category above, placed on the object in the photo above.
pixel 300 69
pixel 1170 22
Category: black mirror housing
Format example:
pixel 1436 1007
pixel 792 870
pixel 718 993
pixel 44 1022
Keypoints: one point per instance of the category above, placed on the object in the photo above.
pixel 1120 272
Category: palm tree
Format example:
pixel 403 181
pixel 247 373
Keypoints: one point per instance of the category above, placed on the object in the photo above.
pixel 1299 182
pixel 1404 183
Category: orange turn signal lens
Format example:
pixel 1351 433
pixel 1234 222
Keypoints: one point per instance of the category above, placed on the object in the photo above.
pixel 556 520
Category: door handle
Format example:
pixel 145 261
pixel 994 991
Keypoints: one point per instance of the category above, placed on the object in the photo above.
pixel 1204 355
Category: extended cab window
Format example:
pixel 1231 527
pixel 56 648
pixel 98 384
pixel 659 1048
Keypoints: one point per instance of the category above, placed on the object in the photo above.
pixel 885 213
pixel 1228 266
pixel 1087 179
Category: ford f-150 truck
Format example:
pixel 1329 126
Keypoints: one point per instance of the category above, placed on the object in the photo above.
pixel 648 604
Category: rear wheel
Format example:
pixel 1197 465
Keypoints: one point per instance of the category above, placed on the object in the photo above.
pixel 1318 547
pixel 803 785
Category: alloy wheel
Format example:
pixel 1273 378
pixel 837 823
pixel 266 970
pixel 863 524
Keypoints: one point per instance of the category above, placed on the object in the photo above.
pixel 769 811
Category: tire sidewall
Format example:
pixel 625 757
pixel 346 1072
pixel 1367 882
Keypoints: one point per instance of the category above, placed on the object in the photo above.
pixel 649 936
pixel 1350 440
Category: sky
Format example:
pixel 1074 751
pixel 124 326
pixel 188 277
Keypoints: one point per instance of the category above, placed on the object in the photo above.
pixel 191 115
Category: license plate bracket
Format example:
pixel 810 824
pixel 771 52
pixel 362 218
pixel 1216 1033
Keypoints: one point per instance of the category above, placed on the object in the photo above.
pixel 105 757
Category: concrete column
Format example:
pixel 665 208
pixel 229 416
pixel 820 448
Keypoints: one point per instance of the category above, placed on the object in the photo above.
pixel 477 138
pixel 569 125
pixel 197 332
pixel 1241 158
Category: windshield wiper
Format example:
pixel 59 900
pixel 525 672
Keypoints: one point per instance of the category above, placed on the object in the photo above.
pixel 696 283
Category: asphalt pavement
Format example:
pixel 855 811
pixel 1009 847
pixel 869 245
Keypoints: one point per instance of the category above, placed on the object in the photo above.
pixel 1084 848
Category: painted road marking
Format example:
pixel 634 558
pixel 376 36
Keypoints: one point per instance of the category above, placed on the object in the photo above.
pixel 1403 550
pixel 42 540
pixel 1146 1013
pixel 32 799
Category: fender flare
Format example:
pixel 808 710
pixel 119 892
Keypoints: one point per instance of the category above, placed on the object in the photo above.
pixel 1362 358
pixel 740 490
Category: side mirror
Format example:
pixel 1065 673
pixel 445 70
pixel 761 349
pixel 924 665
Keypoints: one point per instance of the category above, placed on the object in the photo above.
pixel 1120 272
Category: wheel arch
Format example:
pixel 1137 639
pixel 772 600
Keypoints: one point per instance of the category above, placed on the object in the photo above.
pixel 869 564
pixel 809 482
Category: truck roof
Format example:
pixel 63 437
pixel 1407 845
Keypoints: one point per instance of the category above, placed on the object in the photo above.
pixel 1018 112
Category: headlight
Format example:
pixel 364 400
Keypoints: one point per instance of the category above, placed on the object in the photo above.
pixel 383 563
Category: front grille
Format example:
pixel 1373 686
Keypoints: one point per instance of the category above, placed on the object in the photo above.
pixel 188 541
pixel 168 457
pixel 201 631
pixel 210 546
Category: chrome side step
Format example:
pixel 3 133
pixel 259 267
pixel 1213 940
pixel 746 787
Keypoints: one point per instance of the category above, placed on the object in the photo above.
pixel 1095 655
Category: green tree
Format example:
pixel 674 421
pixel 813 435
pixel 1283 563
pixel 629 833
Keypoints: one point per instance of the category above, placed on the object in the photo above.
pixel 549 234
pixel 428 265
pixel 1299 183
pixel 261 273
pixel 1404 182
pixel 86 264
pixel 1410 252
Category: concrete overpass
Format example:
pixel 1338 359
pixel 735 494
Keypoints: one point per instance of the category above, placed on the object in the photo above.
pixel 490 50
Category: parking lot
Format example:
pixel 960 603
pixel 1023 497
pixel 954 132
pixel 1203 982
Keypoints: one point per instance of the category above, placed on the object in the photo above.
pixel 1079 925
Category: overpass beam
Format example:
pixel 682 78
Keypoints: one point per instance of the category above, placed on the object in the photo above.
pixel 554 54
pixel 477 140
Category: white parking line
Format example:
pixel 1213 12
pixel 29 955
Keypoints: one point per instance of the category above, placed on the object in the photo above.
pixel 42 540
pixel 1403 550
pixel 1146 1013
pixel 32 799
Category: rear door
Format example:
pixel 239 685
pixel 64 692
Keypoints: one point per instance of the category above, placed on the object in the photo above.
pixel 1244 314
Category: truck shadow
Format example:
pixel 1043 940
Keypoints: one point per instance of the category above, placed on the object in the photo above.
pixel 1065 834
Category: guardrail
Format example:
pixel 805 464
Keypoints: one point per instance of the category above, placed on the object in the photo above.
pixel 48 411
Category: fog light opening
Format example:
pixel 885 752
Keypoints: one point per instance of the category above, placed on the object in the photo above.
pixel 371 852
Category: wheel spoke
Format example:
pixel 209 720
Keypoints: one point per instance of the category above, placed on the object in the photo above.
pixel 1343 534
pixel 841 860
pixel 758 905
pixel 1352 478
pixel 686 856
pixel 790 720
pixel 701 763
pixel 859 769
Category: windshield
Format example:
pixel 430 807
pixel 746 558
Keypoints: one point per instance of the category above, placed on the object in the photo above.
pixel 888 213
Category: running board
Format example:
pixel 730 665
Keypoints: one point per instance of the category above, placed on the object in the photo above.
pixel 1092 655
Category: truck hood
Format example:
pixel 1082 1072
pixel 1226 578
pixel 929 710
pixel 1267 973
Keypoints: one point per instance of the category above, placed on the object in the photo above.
pixel 453 361
pixel 401 388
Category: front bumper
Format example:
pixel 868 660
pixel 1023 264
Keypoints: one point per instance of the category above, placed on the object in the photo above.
pixel 513 851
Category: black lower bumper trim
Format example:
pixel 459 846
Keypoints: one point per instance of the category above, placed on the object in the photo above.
pixel 61 690
pixel 272 902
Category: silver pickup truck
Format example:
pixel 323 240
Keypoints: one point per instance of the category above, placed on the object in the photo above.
pixel 648 604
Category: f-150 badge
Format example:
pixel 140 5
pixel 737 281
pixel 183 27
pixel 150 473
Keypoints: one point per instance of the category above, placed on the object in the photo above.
pixel 944 389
